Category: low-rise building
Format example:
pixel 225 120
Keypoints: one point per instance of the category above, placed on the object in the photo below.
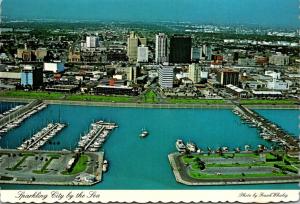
pixel 279 60
pixel 241 93
pixel 278 85
pixel 228 76
pixel 54 67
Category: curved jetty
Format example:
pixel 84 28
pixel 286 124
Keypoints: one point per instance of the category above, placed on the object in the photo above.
pixel 235 168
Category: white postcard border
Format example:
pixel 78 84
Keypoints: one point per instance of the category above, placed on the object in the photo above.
pixel 144 196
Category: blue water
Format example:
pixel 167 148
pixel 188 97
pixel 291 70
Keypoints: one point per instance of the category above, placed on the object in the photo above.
pixel 137 163
pixel 5 106
pixel 289 120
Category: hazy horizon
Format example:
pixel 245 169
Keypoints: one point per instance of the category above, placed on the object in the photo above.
pixel 272 13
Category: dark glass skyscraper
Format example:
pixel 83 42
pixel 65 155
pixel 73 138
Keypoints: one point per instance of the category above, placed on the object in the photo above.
pixel 180 49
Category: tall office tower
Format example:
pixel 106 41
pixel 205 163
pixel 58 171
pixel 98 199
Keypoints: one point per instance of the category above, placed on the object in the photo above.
pixel 142 54
pixel 92 41
pixel 166 76
pixel 196 54
pixel 180 49
pixel 1 17
pixel 132 46
pixel 161 48
pixel 195 73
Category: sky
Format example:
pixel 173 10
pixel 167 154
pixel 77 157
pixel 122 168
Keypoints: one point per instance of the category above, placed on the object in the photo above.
pixel 273 13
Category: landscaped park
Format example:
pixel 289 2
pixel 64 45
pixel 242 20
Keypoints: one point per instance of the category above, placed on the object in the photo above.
pixel 235 168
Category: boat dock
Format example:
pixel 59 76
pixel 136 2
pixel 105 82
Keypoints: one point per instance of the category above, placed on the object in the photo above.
pixel 17 116
pixel 40 138
pixel 97 135
pixel 268 130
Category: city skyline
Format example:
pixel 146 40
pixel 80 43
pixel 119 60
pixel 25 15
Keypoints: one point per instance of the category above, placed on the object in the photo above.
pixel 271 13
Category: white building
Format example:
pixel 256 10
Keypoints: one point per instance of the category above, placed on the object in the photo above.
pixel 92 41
pixel 161 48
pixel 54 67
pixel 279 60
pixel 195 73
pixel 278 85
pixel 274 75
pixel 166 76
pixel 142 54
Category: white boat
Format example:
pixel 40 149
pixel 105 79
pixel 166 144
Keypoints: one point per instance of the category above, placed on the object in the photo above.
pixel 180 146
pixel 144 133
pixel 191 147
pixel 105 166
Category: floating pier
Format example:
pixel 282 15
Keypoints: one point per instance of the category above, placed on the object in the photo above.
pixel 97 135
pixel 17 116
pixel 40 138
pixel 268 130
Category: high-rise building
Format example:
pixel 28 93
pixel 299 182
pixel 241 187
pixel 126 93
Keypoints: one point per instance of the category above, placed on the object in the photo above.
pixel 132 46
pixel 142 54
pixel 195 73
pixel 32 77
pixel 92 41
pixel 166 76
pixel 180 49
pixel 161 48
pixel 196 54
pixel 228 76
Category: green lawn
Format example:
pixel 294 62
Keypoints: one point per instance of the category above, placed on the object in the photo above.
pixel 198 175
pixel 16 166
pixel 44 169
pixel 80 166
pixel 62 96
pixel 32 95
pixel 266 101
pixel 86 97
pixel 150 97
pixel 194 167
pixel 195 101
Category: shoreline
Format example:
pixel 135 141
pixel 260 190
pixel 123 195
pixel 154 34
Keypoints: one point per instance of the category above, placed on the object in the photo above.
pixel 157 105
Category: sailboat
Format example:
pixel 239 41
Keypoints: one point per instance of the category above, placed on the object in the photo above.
pixel 144 133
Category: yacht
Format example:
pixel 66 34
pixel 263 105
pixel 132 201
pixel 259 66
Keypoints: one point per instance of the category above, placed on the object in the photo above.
pixel 180 146
pixel 191 147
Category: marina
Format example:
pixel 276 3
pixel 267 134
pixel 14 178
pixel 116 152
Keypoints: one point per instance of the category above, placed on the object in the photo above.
pixel 39 139
pixel 267 130
pixel 201 130
pixel 95 138
pixel 14 117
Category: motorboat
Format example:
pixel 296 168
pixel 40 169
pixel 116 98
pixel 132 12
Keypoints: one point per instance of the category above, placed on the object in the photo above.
pixel 180 146
pixel 105 166
pixel 191 147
